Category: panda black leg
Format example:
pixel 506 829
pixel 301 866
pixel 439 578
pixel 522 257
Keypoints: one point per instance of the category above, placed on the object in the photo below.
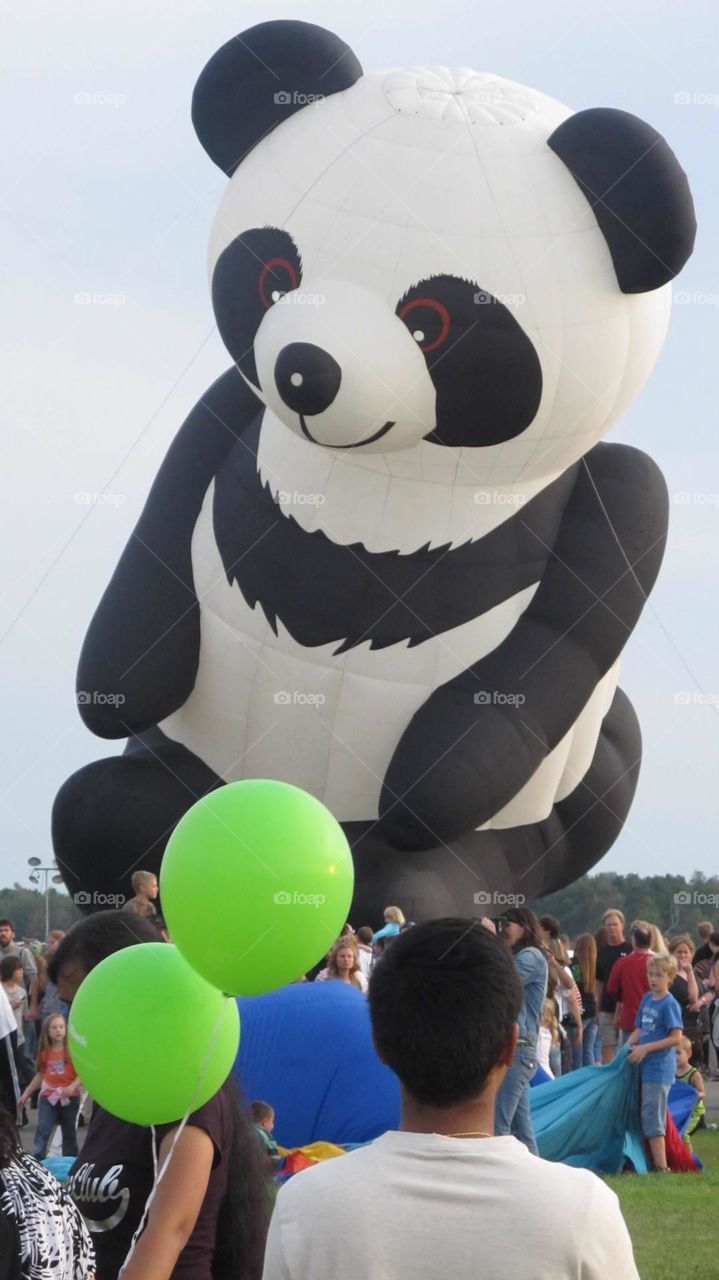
pixel 528 861
pixel 589 820
pixel 115 816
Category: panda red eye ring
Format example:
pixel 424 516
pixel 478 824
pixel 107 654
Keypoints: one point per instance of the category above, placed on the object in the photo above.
pixel 271 275
pixel 441 313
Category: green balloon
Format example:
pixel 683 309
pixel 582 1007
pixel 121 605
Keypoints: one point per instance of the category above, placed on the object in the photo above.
pixel 256 884
pixel 149 1038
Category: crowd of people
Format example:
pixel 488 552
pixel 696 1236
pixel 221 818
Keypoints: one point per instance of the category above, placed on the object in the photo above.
pixel 463 1011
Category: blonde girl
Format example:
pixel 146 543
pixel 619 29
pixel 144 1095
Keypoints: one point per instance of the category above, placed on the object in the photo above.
pixel 548 1035
pixel 393 921
pixel 59 1087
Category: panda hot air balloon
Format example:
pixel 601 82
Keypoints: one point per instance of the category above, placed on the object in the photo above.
pixel 387 558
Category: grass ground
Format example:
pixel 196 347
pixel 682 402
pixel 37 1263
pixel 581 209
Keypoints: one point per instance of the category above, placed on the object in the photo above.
pixel 673 1220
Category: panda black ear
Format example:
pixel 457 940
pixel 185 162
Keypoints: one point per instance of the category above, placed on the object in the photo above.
pixel 638 192
pixel 262 77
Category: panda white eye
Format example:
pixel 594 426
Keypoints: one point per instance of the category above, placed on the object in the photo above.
pixel 296 379
pixel 418 335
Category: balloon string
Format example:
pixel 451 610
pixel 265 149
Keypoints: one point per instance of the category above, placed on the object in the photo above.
pixel 158 1176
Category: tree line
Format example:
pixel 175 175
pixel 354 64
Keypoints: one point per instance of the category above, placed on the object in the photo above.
pixel 26 909
pixel 675 903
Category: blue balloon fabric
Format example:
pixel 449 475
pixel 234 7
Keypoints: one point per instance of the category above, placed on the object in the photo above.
pixel 307 1050
pixel 59 1166
pixel 682 1101
pixel 590 1118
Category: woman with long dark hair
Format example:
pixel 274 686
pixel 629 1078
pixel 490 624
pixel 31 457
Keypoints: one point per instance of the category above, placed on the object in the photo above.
pixel 522 932
pixel 42 1235
pixel 208 1215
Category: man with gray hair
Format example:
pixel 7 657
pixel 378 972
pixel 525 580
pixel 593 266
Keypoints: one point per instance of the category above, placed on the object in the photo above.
pixel 629 981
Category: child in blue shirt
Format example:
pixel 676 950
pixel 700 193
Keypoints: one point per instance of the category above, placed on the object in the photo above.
pixel 394 919
pixel 658 1031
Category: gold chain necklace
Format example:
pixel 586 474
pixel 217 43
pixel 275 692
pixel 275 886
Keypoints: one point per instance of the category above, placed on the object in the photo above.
pixel 471 1133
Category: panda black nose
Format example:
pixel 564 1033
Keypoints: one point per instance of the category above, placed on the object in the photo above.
pixel 307 377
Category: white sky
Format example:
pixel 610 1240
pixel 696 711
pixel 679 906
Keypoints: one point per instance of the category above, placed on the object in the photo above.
pixel 112 199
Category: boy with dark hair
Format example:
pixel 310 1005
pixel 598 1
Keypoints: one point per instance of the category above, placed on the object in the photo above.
pixel 364 947
pixel 9 947
pixel 263 1119
pixel 92 940
pixel 443 1196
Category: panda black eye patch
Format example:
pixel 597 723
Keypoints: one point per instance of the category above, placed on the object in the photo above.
pixel 485 369
pixel 250 275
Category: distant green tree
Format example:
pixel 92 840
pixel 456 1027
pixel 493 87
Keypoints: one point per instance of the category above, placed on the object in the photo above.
pixel 675 903
pixel 26 909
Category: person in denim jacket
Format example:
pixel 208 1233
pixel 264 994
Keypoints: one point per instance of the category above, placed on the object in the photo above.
pixel 521 931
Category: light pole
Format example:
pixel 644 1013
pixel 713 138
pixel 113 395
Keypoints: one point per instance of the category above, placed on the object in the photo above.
pixel 35 863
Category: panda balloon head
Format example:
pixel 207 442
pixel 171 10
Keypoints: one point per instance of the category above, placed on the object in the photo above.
pixel 434 255
pixel 388 557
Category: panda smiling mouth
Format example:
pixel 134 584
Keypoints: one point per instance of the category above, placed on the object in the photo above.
pixel 358 443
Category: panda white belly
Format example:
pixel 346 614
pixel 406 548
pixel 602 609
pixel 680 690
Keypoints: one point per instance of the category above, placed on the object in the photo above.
pixel 265 706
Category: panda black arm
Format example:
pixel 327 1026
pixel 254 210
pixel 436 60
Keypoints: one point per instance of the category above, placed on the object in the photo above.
pixel 139 659
pixel 460 760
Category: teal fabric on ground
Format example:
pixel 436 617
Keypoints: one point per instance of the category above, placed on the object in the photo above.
pixel 590 1118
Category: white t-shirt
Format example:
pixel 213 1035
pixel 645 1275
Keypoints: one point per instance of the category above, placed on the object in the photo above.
pixel 8 1021
pixel 425 1206
pixel 563 996
pixel 362 983
pixel 544 1045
